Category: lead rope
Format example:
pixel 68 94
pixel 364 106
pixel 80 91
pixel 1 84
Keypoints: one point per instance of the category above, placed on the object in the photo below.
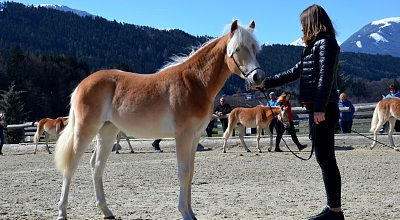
pixel 312 130
pixel 373 140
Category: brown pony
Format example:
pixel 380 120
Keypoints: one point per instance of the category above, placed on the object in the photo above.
pixel 259 117
pixel 119 136
pixel 177 101
pixel 386 110
pixel 50 127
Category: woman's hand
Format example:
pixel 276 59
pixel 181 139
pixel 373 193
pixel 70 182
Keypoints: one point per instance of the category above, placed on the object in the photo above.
pixel 319 117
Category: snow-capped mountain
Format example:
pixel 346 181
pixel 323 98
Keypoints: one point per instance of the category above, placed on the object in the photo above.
pixel 378 37
pixel 298 42
pixel 66 9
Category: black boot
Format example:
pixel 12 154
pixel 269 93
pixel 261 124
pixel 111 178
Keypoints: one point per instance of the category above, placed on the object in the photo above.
pixel 327 214
pixel 277 149
pixel 301 146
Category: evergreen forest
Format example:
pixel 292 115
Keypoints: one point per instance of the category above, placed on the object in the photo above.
pixel 45 53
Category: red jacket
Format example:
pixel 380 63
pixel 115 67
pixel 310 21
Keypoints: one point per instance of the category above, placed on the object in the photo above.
pixel 288 108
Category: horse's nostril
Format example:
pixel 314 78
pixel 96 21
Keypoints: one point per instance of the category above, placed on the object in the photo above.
pixel 255 78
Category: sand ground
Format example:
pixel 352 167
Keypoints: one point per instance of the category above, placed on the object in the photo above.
pixel 234 185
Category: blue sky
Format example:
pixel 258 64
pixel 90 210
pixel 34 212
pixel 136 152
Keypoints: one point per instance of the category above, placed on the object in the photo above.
pixel 276 21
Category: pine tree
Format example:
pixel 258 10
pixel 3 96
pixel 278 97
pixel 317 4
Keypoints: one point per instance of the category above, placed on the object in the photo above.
pixel 13 108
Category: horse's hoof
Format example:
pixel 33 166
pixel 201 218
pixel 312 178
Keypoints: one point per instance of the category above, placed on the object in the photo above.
pixel 117 152
pixel 132 152
pixel 248 150
pixel 224 151
pixel 259 151
pixel 269 150
pixel 109 217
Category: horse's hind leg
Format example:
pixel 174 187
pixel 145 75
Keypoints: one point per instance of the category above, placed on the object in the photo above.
pixel 228 133
pixel 47 136
pixel 80 144
pixel 392 122
pixel 258 138
pixel 378 126
pixel 105 140
pixel 129 143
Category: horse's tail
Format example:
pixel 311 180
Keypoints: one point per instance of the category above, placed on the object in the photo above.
pixel 232 120
pixel 38 133
pixel 375 119
pixel 65 143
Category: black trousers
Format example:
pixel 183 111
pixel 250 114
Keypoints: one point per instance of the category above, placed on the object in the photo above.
pixel 224 122
pixel 280 129
pixel 323 139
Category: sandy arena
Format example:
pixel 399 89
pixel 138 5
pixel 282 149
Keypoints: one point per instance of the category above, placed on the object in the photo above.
pixel 236 185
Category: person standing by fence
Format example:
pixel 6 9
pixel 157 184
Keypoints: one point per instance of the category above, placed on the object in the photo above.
pixel 283 100
pixel 3 126
pixel 221 111
pixel 273 99
pixel 317 71
pixel 346 118
pixel 393 93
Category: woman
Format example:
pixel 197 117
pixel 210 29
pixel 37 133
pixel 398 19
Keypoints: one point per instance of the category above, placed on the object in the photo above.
pixel 317 72
pixel 284 100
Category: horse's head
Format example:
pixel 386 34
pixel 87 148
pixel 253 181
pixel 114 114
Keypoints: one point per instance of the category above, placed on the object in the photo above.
pixel 242 50
pixel 284 117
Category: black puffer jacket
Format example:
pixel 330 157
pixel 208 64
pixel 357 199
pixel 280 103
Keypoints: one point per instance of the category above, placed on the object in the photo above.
pixel 317 71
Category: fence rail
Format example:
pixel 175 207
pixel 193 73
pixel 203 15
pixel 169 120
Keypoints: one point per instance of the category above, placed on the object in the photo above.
pixel 361 122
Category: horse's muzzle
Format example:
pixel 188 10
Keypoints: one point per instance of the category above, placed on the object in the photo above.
pixel 256 77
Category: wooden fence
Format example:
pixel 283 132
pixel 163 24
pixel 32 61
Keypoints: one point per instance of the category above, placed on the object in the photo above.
pixel 361 122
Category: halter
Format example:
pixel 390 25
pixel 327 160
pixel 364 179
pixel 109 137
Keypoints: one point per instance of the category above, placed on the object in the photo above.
pixel 244 74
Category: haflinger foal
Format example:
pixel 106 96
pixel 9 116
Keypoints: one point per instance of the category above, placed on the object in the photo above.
pixel 49 127
pixel 386 110
pixel 177 101
pixel 259 117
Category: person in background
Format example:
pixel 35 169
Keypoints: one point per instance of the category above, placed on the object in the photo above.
pixel 210 127
pixel 273 99
pixel 284 100
pixel 3 127
pixel 393 93
pixel 221 111
pixel 346 118
pixel 317 71
pixel 156 145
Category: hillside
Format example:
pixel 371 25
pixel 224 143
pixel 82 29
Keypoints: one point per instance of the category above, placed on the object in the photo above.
pixel 43 49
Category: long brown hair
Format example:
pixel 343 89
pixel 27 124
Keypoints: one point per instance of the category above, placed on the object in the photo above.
pixel 314 19
pixel 283 96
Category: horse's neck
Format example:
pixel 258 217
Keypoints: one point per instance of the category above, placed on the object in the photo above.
pixel 210 67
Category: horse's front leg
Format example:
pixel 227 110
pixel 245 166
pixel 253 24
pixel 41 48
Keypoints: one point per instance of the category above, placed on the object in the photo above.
pixel 185 152
pixel 271 138
pixel 258 138
pixel 241 137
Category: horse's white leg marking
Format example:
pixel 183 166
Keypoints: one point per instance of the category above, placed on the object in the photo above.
pixel 193 154
pixel 79 145
pixel 392 122
pixel 377 128
pixel 105 140
pixel 270 138
pixel 228 133
pixel 241 136
pixel 185 158
pixel 258 138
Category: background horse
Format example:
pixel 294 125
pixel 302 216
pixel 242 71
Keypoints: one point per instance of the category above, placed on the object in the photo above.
pixel 175 102
pixel 119 136
pixel 50 127
pixel 259 117
pixel 386 110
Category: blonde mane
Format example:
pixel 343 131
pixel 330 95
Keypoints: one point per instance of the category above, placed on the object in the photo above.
pixel 242 34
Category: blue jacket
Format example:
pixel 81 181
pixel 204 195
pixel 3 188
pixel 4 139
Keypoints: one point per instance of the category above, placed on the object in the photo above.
pixel 272 102
pixel 346 116
pixel 394 95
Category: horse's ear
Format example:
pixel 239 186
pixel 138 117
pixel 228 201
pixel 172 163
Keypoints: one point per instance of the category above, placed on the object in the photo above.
pixel 252 25
pixel 234 26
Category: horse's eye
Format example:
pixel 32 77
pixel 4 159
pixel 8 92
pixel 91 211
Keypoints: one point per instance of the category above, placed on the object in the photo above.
pixel 237 49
